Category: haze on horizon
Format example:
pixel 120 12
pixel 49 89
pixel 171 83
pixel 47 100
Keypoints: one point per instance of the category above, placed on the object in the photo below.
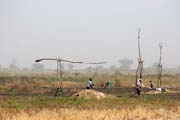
pixel 89 30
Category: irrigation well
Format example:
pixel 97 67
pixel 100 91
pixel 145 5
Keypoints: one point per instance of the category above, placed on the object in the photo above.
pixel 59 61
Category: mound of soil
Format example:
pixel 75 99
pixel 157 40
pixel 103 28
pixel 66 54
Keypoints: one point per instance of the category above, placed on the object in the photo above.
pixel 90 94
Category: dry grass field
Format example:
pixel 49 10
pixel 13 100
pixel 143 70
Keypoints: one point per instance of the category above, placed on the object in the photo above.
pixel 56 108
pixel 36 105
pixel 140 113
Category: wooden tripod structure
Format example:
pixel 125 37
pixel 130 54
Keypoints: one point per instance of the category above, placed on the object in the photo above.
pixel 96 64
pixel 59 70
pixel 159 67
pixel 139 69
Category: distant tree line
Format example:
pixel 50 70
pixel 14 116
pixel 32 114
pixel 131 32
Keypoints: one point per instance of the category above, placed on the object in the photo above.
pixel 124 67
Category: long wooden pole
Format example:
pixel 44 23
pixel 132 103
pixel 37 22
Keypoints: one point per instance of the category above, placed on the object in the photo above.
pixel 139 69
pixel 159 84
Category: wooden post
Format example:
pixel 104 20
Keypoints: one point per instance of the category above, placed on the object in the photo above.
pixel 139 69
pixel 159 67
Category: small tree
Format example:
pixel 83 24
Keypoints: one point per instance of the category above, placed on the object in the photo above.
pixel 89 69
pixel 154 66
pixel 178 68
pixel 99 68
pixel 37 67
pixel 113 68
pixel 70 67
pixel 125 64
pixel 13 67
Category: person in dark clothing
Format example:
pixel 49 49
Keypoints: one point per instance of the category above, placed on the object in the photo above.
pixel 151 85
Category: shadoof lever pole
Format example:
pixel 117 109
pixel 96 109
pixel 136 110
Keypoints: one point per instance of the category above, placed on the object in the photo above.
pixel 139 69
pixel 159 67
pixel 59 71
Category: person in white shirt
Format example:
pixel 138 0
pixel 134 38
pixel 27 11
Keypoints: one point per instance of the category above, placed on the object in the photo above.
pixel 138 87
pixel 90 84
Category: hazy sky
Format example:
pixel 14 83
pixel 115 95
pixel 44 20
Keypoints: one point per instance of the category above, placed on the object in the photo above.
pixel 89 30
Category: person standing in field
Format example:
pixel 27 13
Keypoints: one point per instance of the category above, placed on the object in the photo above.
pixel 90 84
pixel 151 85
pixel 139 87
pixel 108 85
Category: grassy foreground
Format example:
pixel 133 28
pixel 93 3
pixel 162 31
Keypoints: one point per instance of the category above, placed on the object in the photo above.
pixel 146 107
pixel 54 108
pixel 141 113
